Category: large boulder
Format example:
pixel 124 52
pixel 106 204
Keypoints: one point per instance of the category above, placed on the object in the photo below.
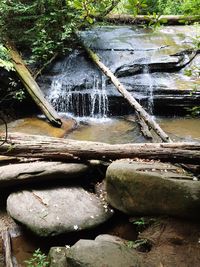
pixel 39 171
pixel 152 188
pixel 105 250
pixel 54 211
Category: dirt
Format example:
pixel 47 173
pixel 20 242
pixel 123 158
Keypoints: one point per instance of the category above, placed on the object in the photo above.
pixel 174 243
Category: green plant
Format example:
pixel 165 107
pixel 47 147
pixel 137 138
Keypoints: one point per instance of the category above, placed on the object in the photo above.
pixel 135 6
pixel 137 244
pixel 19 95
pixel 38 260
pixel 142 223
pixel 48 26
pixel 5 59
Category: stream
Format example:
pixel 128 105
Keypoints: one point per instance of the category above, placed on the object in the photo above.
pixel 151 67
pixel 125 130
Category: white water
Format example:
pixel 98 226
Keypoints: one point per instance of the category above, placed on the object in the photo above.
pixel 149 89
pixel 91 101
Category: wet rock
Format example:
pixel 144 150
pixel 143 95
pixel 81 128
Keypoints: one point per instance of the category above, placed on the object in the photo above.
pixel 105 250
pixel 40 171
pixel 60 210
pixel 144 60
pixel 41 127
pixel 148 188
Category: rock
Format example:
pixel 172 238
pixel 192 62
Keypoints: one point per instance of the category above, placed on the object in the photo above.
pixel 39 171
pixel 150 188
pixel 41 127
pixel 60 210
pixel 57 256
pixel 105 251
pixel 172 243
pixel 142 58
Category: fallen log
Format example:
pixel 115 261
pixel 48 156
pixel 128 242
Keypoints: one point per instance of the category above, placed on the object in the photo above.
pixel 7 249
pixel 49 148
pixel 141 19
pixel 144 128
pixel 128 96
pixel 32 87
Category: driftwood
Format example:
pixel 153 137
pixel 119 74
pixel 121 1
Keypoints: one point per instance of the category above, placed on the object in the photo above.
pixel 7 248
pixel 119 86
pixel 144 127
pixel 141 19
pixel 49 148
pixel 32 87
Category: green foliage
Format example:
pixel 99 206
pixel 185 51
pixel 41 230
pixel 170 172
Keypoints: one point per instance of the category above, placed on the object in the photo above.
pixel 5 59
pixel 137 243
pixel 135 6
pixel 47 26
pixel 142 223
pixel 164 7
pixel 19 95
pixel 38 260
pixel 190 7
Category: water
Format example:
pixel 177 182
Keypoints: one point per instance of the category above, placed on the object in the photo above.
pixel 121 130
pixel 149 89
pixel 88 99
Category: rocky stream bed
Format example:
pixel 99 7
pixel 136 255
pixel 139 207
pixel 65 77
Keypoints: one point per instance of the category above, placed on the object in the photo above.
pixel 96 213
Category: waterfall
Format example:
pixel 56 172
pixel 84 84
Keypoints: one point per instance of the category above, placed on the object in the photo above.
pixel 149 88
pixel 99 99
pixel 87 99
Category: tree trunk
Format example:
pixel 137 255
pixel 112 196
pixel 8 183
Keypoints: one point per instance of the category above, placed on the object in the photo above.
pixel 49 148
pixel 141 19
pixel 142 113
pixel 32 87
pixel 144 127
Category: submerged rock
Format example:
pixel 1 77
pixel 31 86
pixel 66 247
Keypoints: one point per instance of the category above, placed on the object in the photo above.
pixel 40 171
pixel 152 188
pixel 105 250
pixel 54 211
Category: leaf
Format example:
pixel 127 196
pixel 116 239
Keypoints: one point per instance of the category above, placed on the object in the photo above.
pixel 90 20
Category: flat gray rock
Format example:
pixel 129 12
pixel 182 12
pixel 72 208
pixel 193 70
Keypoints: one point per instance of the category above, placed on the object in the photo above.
pixel 38 171
pixel 54 211
pixel 105 251
pixel 152 188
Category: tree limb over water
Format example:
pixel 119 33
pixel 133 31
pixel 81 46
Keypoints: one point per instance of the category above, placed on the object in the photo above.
pixel 142 19
pixel 150 122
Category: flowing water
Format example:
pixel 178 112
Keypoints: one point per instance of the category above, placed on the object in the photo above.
pixel 87 99
pixel 149 89
pixel 125 130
